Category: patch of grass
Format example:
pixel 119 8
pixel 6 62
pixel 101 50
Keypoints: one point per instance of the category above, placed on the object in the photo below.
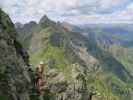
pixel 56 53
pixel 96 86
pixel 46 51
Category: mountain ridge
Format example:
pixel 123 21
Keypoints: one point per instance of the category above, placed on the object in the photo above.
pixel 64 47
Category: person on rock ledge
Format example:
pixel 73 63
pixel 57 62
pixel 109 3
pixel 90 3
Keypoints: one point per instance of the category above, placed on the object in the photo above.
pixel 39 69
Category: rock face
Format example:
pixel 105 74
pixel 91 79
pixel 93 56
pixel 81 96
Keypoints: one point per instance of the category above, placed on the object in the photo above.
pixel 59 88
pixel 14 78
pixel 25 32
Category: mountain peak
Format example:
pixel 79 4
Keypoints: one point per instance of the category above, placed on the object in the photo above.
pixel 46 22
pixel 18 25
pixel 44 19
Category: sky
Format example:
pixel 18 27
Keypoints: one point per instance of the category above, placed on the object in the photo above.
pixel 72 11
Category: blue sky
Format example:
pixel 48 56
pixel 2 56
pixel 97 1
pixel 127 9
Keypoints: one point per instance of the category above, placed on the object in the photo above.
pixel 72 11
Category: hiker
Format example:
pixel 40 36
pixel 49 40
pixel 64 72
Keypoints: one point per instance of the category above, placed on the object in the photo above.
pixel 39 76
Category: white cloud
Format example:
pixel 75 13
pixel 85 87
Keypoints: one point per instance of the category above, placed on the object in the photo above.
pixel 75 11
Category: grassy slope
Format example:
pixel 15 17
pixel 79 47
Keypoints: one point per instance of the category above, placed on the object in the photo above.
pixel 120 87
pixel 47 51
pixel 125 56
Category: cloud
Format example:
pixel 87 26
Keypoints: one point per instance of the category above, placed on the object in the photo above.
pixel 74 11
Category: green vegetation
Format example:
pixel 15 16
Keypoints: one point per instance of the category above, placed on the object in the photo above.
pixel 48 52
pixel 127 60
pixel 108 87
pixel 6 22
pixel 3 97
pixel 54 44
pixel 122 54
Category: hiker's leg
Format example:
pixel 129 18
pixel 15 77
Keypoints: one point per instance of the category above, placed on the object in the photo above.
pixel 40 84
pixel 37 83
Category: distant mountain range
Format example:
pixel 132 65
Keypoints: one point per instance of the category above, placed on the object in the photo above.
pixel 121 32
pixel 96 52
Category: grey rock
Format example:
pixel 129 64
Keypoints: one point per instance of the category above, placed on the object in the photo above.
pixel 14 79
